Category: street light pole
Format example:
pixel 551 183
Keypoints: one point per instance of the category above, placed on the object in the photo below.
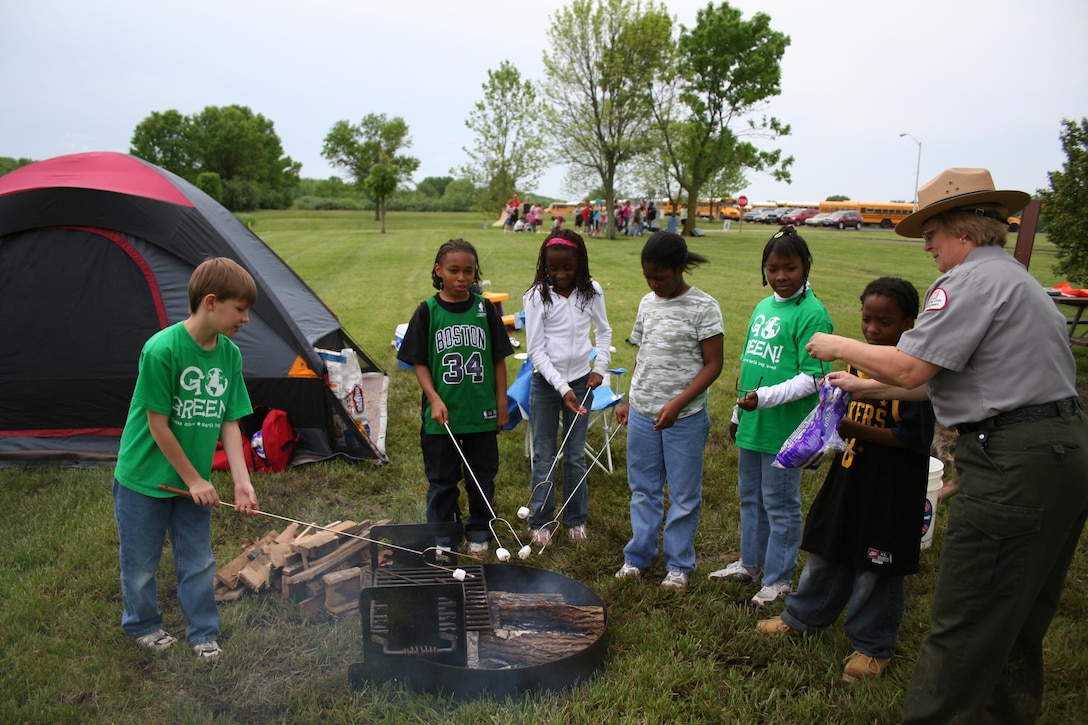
pixel 917 167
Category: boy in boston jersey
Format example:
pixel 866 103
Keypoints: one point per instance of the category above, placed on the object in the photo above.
pixel 457 344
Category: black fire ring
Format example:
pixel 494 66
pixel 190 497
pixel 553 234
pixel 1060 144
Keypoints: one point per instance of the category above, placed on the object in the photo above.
pixel 420 625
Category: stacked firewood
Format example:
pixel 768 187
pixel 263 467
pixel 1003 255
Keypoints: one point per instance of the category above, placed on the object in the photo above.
pixel 323 569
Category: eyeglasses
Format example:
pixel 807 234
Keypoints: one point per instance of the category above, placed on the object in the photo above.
pixel 927 235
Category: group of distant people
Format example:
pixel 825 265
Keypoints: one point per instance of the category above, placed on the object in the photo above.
pixel 1021 456
pixel 631 220
pixel 524 216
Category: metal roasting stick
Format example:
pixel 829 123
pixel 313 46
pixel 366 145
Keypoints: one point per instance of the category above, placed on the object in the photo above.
pixel 555 461
pixel 436 549
pixel 593 460
pixel 523 550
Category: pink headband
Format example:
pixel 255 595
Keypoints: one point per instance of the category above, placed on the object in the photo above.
pixel 556 241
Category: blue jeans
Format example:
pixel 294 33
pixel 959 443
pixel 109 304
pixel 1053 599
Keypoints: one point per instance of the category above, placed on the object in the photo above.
pixel 545 409
pixel 142 525
pixel 656 457
pixel 770 515
pixel 873 602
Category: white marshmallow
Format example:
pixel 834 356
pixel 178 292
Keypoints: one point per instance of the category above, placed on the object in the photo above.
pixel 502 554
pixel 459 574
pixel 523 512
pixel 525 551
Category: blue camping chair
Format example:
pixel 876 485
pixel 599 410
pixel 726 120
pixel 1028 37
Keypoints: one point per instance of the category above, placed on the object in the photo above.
pixel 605 400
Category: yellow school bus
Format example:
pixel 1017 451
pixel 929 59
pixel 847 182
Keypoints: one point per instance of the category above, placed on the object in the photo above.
pixel 830 207
pixel 884 213
pixel 561 207
pixel 723 207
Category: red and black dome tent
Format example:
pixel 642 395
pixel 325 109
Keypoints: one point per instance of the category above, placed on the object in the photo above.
pixel 96 251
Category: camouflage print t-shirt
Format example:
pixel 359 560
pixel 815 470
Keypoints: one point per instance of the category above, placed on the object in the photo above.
pixel 669 333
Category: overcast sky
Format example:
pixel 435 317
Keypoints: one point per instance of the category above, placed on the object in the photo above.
pixel 977 82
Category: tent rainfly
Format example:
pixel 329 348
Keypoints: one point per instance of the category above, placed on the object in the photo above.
pixel 96 250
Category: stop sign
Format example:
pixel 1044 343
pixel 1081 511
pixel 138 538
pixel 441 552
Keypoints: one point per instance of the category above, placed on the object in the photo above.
pixel 742 201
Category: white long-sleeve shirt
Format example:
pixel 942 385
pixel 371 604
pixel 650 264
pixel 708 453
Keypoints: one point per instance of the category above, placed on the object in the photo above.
pixel 557 336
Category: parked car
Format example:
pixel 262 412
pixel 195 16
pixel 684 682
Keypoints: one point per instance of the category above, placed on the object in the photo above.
pixel 845 219
pixel 755 214
pixel 798 216
pixel 817 220
pixel 774 216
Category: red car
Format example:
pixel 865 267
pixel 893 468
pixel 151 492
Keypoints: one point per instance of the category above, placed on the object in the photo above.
pixel 799 216
pixel 848 219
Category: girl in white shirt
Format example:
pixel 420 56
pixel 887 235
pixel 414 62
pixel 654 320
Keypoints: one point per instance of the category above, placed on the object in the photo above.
pixel 560 307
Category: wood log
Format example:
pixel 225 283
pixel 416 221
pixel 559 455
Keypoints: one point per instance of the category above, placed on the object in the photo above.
pixel 509 648
pixel 229 574
pixel 342 586
pixel 288 534
pixel 553 619
pixel 257 575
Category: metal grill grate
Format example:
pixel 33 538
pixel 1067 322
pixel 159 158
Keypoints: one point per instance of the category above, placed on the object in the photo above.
pixel 477 609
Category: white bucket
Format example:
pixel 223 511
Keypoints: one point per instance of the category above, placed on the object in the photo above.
pixel 933 497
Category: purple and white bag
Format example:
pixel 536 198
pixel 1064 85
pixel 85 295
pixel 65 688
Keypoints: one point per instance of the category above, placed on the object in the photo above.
pixel 818 433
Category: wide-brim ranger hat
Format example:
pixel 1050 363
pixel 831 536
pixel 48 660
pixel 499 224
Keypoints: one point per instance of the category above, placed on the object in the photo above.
pixel 966 189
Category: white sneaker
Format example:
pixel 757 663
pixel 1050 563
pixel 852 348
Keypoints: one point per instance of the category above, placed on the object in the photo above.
pixel 771 593
pixel 542 537
pixel 157 641
pixel 577 533
pixel 675 580
pixel 477 547
pixel 208 650
pixel 627 571
pixel 736 572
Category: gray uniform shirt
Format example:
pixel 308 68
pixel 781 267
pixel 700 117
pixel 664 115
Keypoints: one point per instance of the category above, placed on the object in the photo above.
pixel 1000 339
pixel 669 334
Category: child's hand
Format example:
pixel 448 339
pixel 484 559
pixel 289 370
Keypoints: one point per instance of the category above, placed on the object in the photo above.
pixel 621 413
pixel 503 415
pixel 245 499
pixel 733 431
pixel 203 493
pixel 595 380
pixel 668 415
pixel 570 402
pixel 439 412
pixel 749 401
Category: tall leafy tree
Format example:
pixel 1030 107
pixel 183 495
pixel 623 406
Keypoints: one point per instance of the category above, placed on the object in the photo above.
pixel 706 113
pixel 604 56
pixel 237 143
pixel 241 146
pixel 368 152
pixel 168 140
pixel 1065 201
pixel 508 153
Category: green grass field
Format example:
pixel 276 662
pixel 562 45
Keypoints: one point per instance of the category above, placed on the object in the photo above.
pixel 692 657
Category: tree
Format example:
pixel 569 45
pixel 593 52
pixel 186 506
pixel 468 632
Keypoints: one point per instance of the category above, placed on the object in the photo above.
pixel 728 67
pixel 434 186
pixel 7 163
pixel 1065 201
pixel 838 197
pixel 240 146
pixel 508 153
pixel 605 54
pixel 168 140
pixel 368 152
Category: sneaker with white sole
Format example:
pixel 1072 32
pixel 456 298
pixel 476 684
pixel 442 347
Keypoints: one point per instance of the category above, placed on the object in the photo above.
pixel 771 594
pixel 628 571
pixel 577 533
pixel 207 650
pixel 675 580
pixel 477 547
pixel 736 572
pixel 542 536
pixel 157 641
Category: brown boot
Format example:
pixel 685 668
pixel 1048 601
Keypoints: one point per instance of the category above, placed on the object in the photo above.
pixel 863 667
pixel 774 625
